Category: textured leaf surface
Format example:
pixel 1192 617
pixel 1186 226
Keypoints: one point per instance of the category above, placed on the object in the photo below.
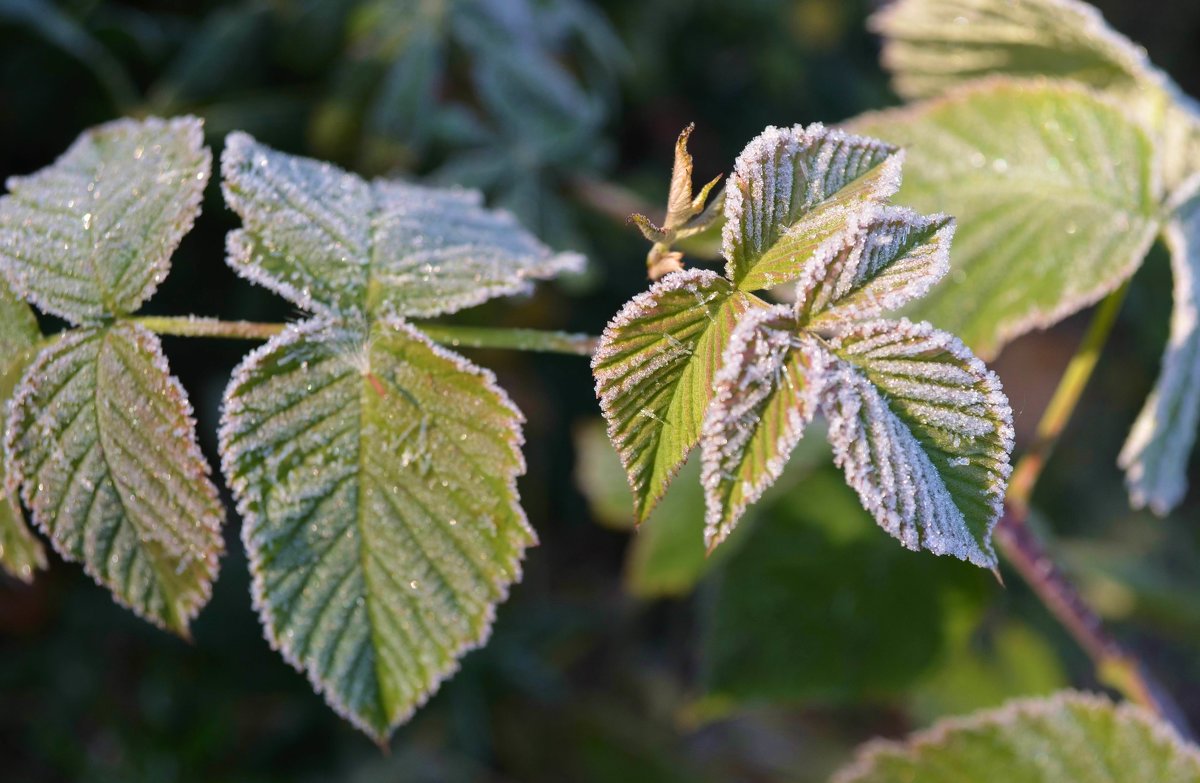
pixel 377 478
pixel 794 189
pixel 1054 191
pixel 92 235
pixel 933 45
pixel 102 442
pixel 923 432
pixel 1155 456
pixel 1069 737
pixel 764 395
pixel 335 244
pixel 654 370
pixel 20 552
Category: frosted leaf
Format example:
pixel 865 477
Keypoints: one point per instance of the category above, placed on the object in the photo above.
pixel 891 259
pixel 102 443
pixel 92 235
pixel 1070 736
pixel 764 396
pixel 932 46
pixel 333 243
pixel 20 551
pixel 923 432
pixel 654 371
pixel 376 474
pixel 793 189
pixel 1055 193
pixel 1155 455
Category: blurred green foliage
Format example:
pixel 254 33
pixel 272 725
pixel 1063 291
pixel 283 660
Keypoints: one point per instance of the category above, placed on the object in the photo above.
pixel 814 632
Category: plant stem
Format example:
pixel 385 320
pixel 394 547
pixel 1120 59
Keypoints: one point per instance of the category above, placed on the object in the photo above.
pixel 454 336
pixel 1115 665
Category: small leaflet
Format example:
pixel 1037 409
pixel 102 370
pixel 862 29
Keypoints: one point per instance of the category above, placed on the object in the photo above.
pixel 376 474
pixel 92 235
pixel 765 394
pixel 101 441
pixel 335 244
pixel 1156 453
pixel 1070 736
pixel 923 433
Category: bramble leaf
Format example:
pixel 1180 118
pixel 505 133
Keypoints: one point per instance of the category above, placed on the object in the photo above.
pixel 335 244
pixel 20 551
pixel 765 394
pixel 793 190
pixel 92 235
pixel 376 474
pixel 1055 192
pixel 1155 455
pixel 923 432
pixel 654 370
pixel 1068 737
pixel 101 440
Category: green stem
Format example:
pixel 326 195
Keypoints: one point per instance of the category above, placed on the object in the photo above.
pixel 1025 550
pixel 454 336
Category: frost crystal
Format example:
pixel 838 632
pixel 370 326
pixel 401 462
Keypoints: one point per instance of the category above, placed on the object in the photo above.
pixel 92 235
pixel 337 245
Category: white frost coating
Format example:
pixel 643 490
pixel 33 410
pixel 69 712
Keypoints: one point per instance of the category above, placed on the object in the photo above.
pixel 893 257
pixel 92 234
pixel 1051 738
pixel 1155 455
pixel 377 544
pixel 335 244
pixel 764 395
pixel 101 439
pixel 901 422
pixel 785 173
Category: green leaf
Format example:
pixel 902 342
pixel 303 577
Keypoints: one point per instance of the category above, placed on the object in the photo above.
pixel 376 474
pixel 1069 737
pixel 1155 456
pixel 20 551
pixel 92 235
pixel 794 189
pixel 335 244
pixel 923 432
pixel 766 393
pixel 931 46
pixel 1055 192
pixel 102 442
pixel 654 370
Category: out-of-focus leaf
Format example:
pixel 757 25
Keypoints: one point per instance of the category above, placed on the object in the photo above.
pixel 376 474
pixel 815 606
pixel 1069 737
pixel 1043 229
pixel 335 244
pixel 20 551
pixel 92 235
pixel 102 442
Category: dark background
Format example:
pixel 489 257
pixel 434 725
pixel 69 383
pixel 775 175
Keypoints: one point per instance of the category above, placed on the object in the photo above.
pixel 815 634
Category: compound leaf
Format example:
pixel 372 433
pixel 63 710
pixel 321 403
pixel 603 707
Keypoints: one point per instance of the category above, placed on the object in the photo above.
pixel 654 371
pixel 1155 456
pixel 92 235
pixel 335 244
pixel 376 474
pixel 1069 736
pixel 1055 193
pixel 794 189
pixel 20 551
pixel 102 442
pixel 923 432
pixel 765 394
